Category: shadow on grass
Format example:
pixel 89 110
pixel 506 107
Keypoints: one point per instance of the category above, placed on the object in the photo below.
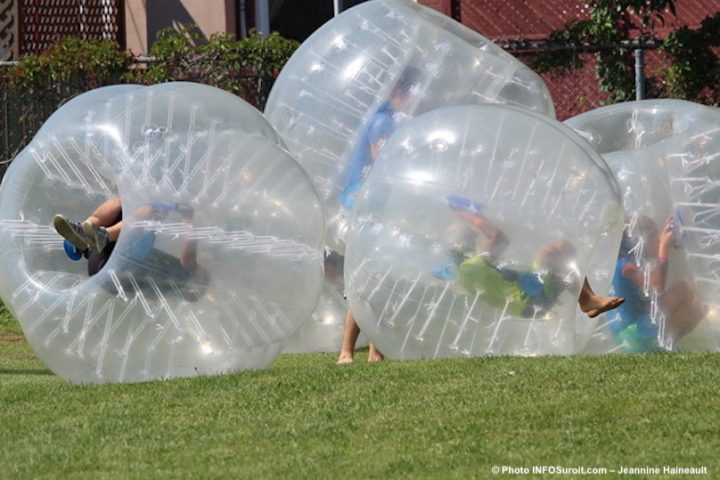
pixel 33 371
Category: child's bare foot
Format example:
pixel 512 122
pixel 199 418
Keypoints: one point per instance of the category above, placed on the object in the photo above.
pixel 374 354
pixel 596 305
pixel 345 358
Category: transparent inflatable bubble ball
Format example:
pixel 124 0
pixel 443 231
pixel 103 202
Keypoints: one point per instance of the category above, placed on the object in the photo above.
pixel 473 234
pixel 365 72
pixel 158 232
pixel 666 157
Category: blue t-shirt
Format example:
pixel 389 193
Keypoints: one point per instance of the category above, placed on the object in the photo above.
pixel 380 125
pixel 631 321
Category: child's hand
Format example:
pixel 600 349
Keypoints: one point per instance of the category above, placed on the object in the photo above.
pixel 666 239
pixel 472 218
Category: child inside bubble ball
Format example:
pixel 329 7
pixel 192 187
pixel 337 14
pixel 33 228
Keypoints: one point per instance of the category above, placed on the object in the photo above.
pixel 371 140
pixel 375 133
pixel 641 276
pixel 520 293
pixel 95 237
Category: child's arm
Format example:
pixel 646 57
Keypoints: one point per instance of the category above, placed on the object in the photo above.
pixel 658 277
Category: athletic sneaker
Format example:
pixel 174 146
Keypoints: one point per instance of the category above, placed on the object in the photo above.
pixel 72 252
pixel 97 236
pixel 72 231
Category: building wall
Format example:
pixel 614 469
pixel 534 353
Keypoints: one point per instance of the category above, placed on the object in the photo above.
pixel 145 18
pixel 578 91
pixel 444 6
pixel 8 30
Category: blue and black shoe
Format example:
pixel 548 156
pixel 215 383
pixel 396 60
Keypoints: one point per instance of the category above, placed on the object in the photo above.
pixel 71 231
pixel 97 237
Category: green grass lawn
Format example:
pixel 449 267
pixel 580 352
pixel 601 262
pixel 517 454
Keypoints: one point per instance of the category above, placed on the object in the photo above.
pixel 305 417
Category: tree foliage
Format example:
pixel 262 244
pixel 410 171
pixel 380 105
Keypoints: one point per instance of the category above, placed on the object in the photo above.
pixel 72 63
pixel 695 70
pixel 615 28
pixel 34 88
pixel 245 67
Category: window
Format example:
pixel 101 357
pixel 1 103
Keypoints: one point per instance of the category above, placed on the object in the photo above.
pixel 298 19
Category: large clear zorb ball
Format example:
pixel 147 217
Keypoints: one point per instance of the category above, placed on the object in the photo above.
pixel 369 69
pixel 219 260
pixel 324 331
pixel 473 234
pixel 665 156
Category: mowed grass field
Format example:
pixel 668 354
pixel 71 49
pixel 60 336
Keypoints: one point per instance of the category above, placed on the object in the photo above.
pixel 305 417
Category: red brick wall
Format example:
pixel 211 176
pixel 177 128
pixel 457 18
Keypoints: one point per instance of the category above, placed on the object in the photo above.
pixel 534 19
pixel 577 92
pixel 572 94
pixel 444 6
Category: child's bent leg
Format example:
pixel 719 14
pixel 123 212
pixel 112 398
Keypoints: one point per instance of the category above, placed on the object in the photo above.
pixel 87 234
pixel 102 226
pixel 113 231
pixel 107 213
pixel 593 304
pixel 496 241
pixel 682 308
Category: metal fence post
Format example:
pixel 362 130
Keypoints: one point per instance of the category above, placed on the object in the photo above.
pixel 338 7
pixel 639 74
pixel 262 17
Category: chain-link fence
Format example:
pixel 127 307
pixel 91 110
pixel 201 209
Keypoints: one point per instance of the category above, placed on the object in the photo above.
pixel 579 91
pixel 575 92
pixel 30 27
pixel 22 114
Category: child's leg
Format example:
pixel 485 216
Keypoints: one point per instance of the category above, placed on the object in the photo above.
pixel 682 308
pixel 104 225
pixel 188 255
pixel 374 355
pixel 113 231
pixel 101 227
pixel 106 216
pixel 350 336
pixel 106 213
pixel 593 304
pixel 496 240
